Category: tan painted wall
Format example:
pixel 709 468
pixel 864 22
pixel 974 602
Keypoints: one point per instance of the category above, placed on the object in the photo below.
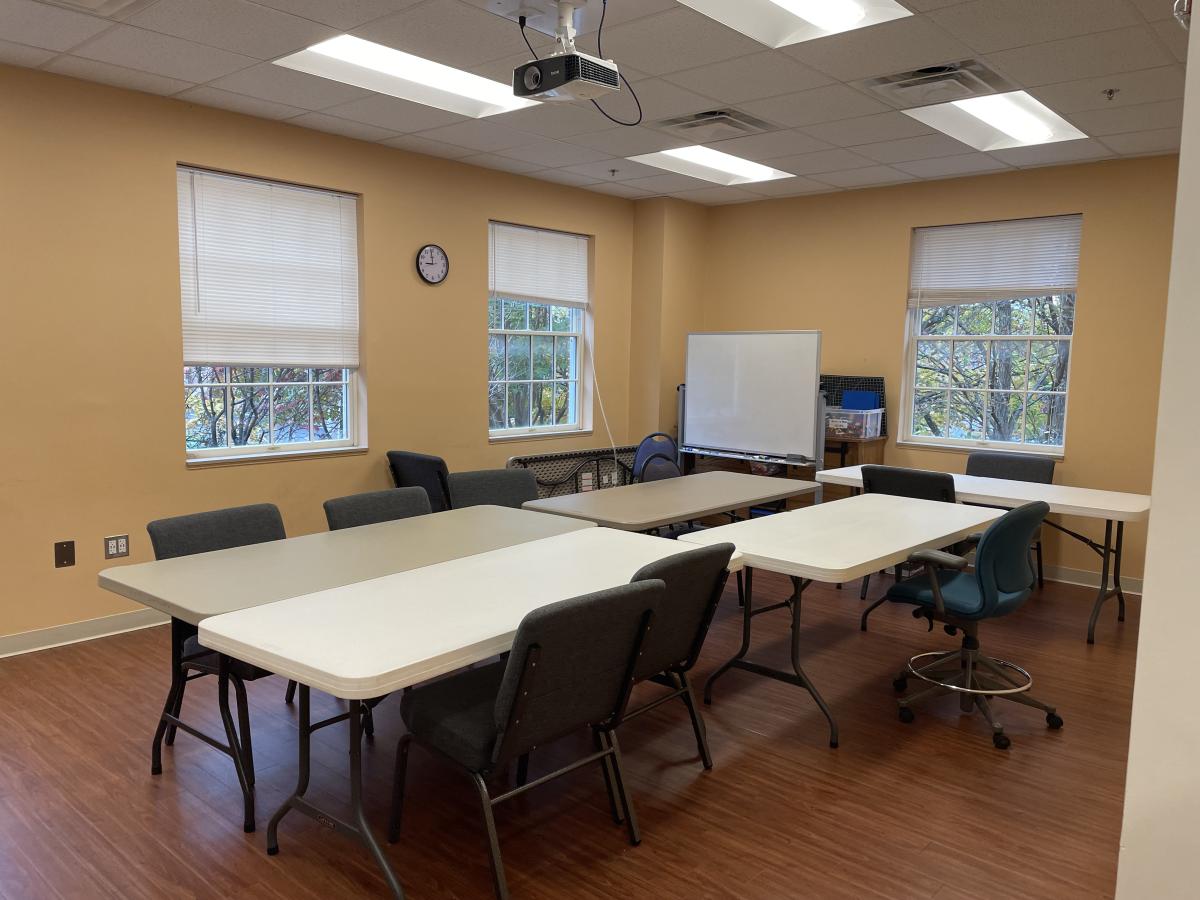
pixel 839 263
pixel 93 443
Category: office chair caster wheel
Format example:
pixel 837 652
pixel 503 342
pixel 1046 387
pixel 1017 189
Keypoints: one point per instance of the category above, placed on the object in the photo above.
pixel 906 715
pixel 1001 741
pixel 1054 720
pixel 900 685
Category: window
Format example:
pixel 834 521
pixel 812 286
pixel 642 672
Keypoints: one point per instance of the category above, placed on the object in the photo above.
pixel 269 300
pixel 991 318
pixel 536 317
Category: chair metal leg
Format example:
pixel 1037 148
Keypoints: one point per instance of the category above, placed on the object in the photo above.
pixel 614 802
pixel 290 694
pixel 368 722
pixel 689 699
pixel 235 746
pixel 243 709
pixel 635 836
pixel 489 822
pixel 1041 571
pixel 398 783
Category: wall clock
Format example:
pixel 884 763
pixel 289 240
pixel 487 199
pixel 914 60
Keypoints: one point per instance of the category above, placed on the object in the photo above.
pixel 433 265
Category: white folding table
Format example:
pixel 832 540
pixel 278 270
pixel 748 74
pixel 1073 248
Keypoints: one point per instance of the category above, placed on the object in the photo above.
pixel 1114 507
pixel 653 504
pixel 370 638
pixel 834 543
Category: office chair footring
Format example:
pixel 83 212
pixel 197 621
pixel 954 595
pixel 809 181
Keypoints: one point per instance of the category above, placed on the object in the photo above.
pixel 1002 669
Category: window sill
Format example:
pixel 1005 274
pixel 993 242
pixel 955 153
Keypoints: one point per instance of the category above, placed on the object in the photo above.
pixel 545 436
pixel 242 459
pixel 1056 453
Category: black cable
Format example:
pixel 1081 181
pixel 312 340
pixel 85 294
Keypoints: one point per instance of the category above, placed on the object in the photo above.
pixel 632 92
pixel 524 37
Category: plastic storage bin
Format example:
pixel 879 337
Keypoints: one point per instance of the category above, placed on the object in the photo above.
pixel 856 424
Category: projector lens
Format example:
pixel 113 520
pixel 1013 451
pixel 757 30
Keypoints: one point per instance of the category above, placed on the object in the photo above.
pixel 532 78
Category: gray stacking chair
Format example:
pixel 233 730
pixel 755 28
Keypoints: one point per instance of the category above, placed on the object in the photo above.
pixel 1031 467
pixel 657 444
pixel 205 532
pixel 945 592
pixel 375 507
pixel 900 482
pixel 572 666
pixel 493 487
pixel 658 467
pixel 424 471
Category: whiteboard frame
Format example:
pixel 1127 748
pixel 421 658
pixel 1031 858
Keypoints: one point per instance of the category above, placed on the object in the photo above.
pixel 817 460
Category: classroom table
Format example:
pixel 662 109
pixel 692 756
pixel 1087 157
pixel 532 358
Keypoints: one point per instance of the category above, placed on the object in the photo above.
pixel 653 504
pixel 833 543
pixel 373 637
pixel 1114 507
pixel 192 588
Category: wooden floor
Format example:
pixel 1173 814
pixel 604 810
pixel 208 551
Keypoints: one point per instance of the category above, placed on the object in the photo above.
pixel 927 810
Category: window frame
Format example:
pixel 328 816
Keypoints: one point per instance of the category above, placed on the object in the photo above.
pixel 353 417
pixel 909 385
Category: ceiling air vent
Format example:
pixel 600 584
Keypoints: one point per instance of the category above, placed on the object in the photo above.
pixel 106 8
pixel 714 125
pixel 936 84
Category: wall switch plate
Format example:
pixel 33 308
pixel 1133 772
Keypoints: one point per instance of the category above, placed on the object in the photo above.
pixel 64 554
pixel 116 546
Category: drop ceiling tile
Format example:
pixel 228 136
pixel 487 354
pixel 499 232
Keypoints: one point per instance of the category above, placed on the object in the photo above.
pixel 865 177
pixel 393 114
pixel 788 187
pixel 416 144
pixel 333 125
pixel 1146 86
pixel 750 78
pixel 823 161
pixel 1154 10
pixel 771 144
pixel 1107 53
pixel 930 146
pixel 340 14
pixel 895 46
pixel 990 25
pixel 823 104
pixel 613 170
pixel 869 129
pixel 556 120
pixel 117 76
pixel 675 40
pixel 503 163
pixel 206 95
pixel 162 54
pixel 1053 154
pixel 46 27
pixel 619 11
pixel 669 183
pixel 1172 34
pixel 948 166
pixel 927 5
pixel 279 85
pixel 236 25
pixel 1122 119
pixel 552 154
pixel 562 176
pixel 619 141
pixel 452 33
pixel 479 134
pixel 660 100
pixel 716 196
pixel 23 55
pixel 619 189
pixel 1164 140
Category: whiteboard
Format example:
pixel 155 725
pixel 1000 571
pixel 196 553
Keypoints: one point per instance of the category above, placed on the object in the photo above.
pixel 754 394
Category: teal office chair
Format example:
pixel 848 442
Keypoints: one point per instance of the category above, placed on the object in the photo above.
pixel 1002 580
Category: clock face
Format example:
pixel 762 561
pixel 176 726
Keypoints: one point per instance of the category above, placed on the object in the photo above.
pixel 433 265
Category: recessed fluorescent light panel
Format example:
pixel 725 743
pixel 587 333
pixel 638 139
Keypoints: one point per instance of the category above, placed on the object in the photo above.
pixel 778 23
pixel 385 70
pixel 710 165
pixel 998 121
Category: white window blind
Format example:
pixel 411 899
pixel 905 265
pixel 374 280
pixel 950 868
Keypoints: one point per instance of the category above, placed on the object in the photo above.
pixel 268 273
pixel 536 265
pixel 954 264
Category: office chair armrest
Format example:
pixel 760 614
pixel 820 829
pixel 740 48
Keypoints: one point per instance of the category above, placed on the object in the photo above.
pixel 938 559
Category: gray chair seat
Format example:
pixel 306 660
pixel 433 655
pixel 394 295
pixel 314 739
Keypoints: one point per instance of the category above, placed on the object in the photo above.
pixel 456 715
pixel 195 653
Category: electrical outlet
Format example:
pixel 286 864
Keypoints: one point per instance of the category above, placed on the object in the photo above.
pixel 116 546
pixel 64 554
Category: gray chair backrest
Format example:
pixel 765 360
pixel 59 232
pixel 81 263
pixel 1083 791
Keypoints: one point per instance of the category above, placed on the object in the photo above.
pixel 657 444
pixel 1013 466
pixel 658 468
pixel 571 665
pixel 376 506
pixel 694 581
pixel 423 471
pixel 220 529
pixel 493 487
pixel 915 483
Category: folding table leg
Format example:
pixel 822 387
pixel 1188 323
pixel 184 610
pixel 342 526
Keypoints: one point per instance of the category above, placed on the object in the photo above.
pixel 747 615
pixel 1110 556
pixel 179 634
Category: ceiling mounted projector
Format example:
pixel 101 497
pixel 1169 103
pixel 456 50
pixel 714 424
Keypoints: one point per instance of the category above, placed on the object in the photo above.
pixel 567 74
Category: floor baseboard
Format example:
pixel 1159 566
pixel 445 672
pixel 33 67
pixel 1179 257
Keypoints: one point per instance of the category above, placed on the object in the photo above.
pixel 1088 578
pixel 74 632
